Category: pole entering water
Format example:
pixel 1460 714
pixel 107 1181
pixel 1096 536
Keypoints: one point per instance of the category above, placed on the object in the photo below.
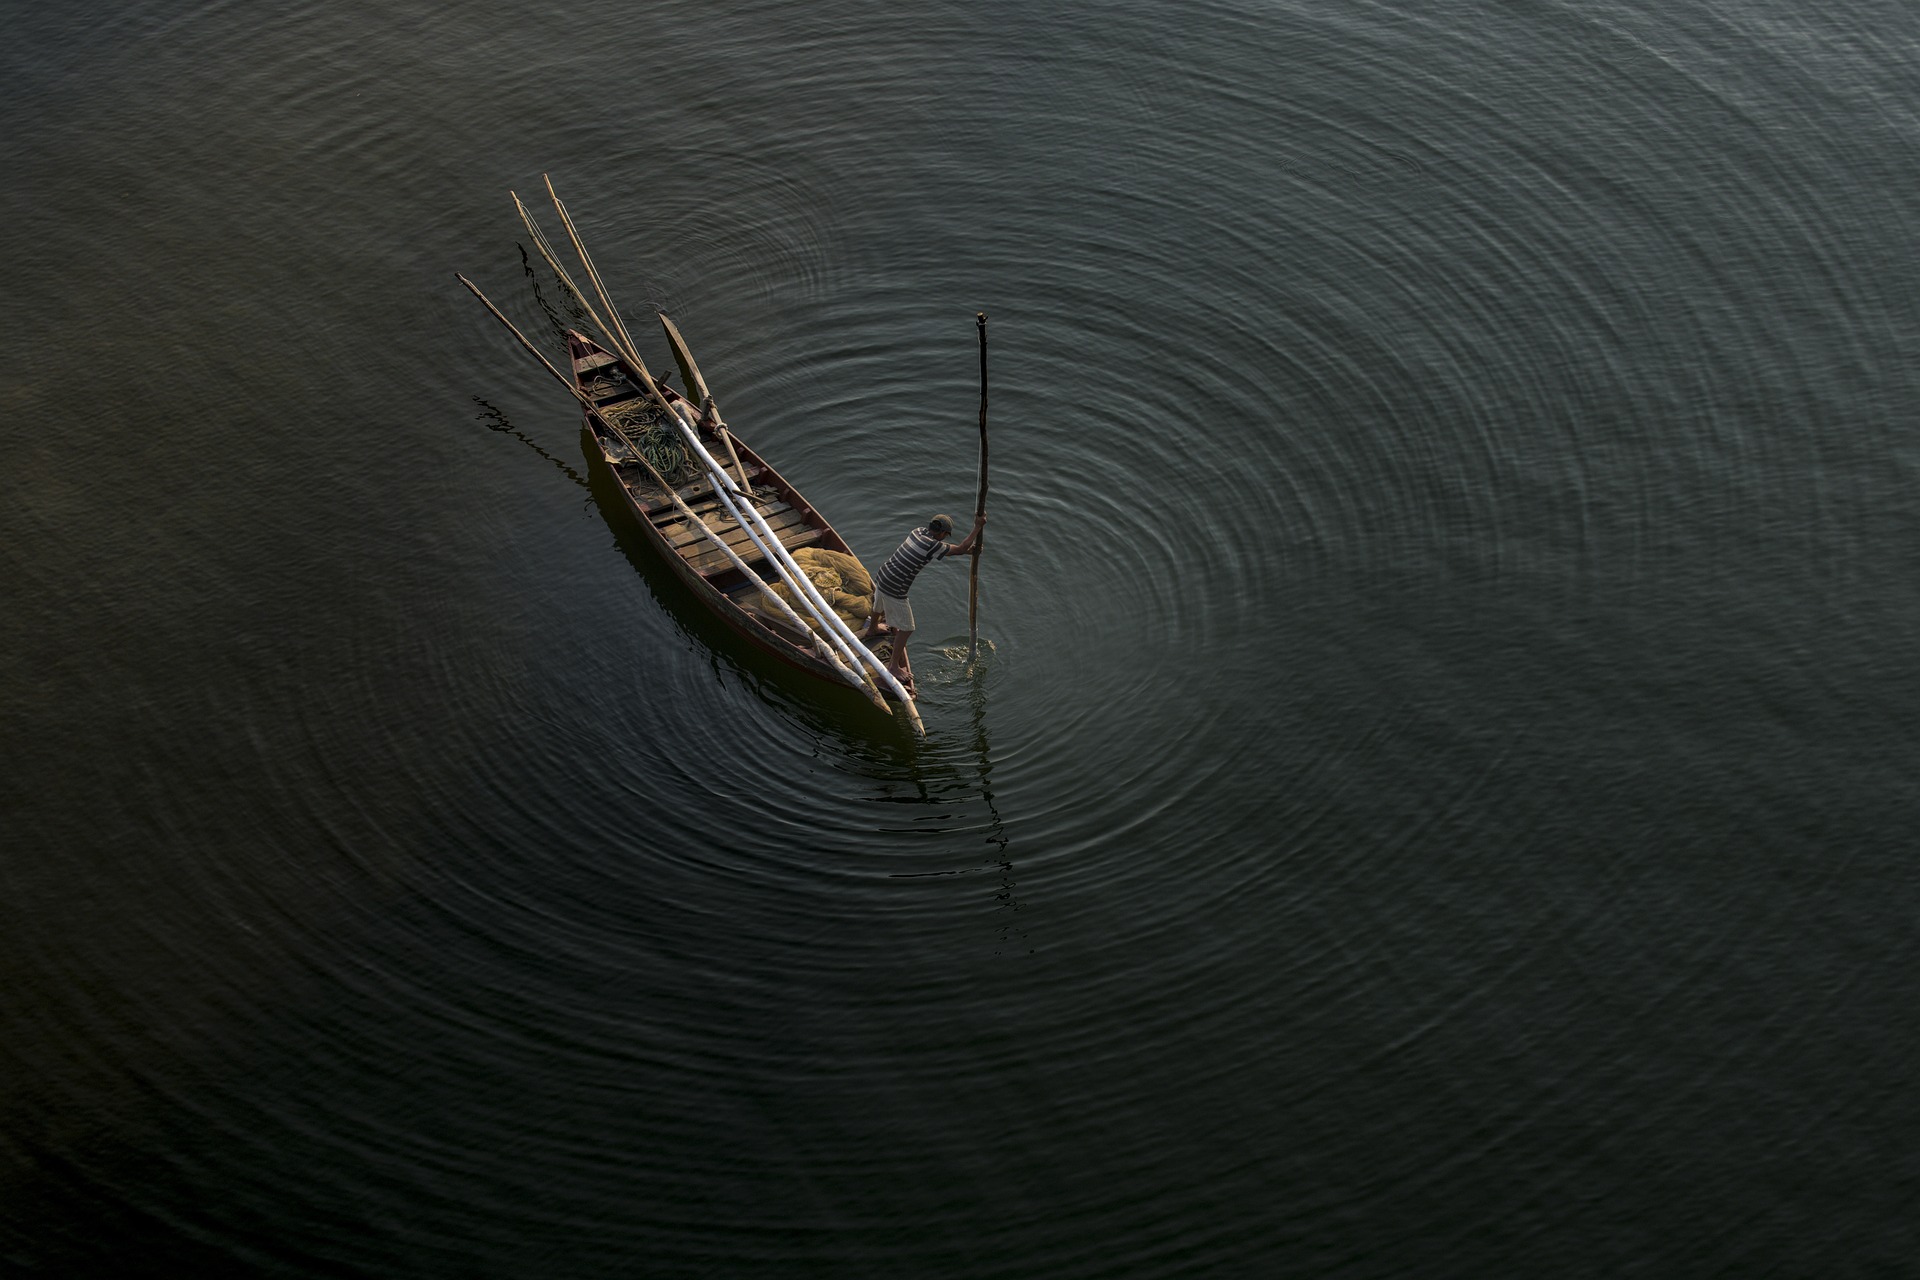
pixel 980 508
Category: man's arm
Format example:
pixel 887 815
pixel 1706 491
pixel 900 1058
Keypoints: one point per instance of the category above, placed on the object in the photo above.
pixel 966 544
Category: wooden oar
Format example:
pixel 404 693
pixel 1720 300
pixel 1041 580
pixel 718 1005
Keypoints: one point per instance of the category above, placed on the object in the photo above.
pixel 980 509
pixel 690 374
pixel 689 371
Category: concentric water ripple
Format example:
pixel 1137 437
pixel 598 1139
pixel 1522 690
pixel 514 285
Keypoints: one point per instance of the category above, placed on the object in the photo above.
pixel 1432 798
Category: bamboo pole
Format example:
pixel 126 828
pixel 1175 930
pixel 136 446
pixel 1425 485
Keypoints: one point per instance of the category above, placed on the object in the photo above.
pixel 606 331
pixel 615 339
pixel 850 651
pixel 673 495
pixel 826 652
pixel 592 274
pixel 980 509
pixel 616 334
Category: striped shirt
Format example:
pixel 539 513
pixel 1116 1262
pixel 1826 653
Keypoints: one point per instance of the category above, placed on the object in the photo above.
pixel 903 566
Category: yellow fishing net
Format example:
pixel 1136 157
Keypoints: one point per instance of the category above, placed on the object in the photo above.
pixel 842 581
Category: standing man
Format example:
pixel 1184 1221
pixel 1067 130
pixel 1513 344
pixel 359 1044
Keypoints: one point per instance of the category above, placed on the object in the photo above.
pixel 895 579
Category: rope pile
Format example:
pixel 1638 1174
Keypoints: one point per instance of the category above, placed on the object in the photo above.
pixel 647 427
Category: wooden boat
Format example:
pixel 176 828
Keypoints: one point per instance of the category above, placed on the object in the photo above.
pixel 605 381
pixel 695 528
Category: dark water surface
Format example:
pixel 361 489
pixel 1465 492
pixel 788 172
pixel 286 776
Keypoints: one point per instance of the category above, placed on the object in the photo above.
pixel 1440 800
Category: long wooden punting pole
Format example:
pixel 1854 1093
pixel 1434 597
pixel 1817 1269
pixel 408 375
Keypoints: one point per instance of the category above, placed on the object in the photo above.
pixel 608 334
pixel 980 509
pixel 593 273
pixel 859 681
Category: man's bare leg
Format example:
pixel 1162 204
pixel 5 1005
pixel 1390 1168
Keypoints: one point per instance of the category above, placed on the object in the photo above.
pixel 897 662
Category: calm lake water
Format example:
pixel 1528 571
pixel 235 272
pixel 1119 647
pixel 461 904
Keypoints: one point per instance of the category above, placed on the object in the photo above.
pixel 1440 798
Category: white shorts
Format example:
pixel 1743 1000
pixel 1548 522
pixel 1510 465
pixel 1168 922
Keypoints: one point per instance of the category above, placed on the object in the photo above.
pixel 899 612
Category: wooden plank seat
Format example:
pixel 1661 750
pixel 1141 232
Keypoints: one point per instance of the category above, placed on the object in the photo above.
pixel 688 541
pixel 681 533
pixel 708 507
pixel 650 500
pixel 712 561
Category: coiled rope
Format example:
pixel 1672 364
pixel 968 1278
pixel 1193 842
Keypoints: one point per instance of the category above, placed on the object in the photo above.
pixel 646 425
pixel 643 422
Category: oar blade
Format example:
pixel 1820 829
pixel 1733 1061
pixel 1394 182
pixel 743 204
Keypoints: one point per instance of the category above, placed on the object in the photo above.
pixel 689 371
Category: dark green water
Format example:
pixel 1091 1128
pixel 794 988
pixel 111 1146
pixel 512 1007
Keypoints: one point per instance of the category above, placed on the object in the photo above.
pixel 1440 800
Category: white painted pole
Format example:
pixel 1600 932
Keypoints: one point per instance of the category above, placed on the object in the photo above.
pixel 784 561
pixel 770 548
